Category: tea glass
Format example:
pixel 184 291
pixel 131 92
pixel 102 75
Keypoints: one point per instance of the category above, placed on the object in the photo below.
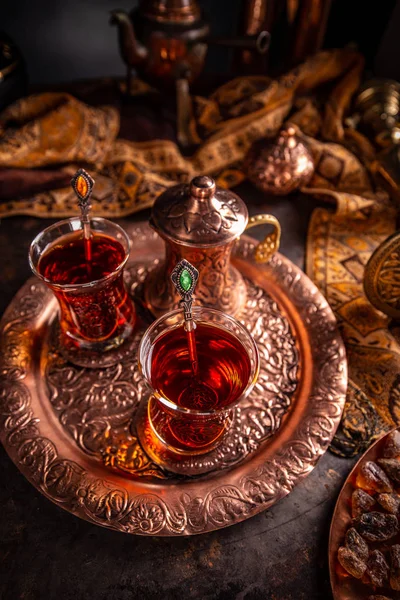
pixel 97 315
pixel 171 433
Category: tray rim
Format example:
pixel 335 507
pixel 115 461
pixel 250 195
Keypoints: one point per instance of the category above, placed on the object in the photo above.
pixel 231 502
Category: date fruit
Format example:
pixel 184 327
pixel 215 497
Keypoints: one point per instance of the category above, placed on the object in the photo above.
pixel 354 542
pixel 395 567
pixel 392 446
pixel 391 466
pixel 351 563
pixel 361 502
pixel 377 568
pixel 390 502
pixel 377 527
pixel 373 478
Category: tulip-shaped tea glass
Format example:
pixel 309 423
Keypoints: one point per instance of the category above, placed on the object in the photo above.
pixel 190 408
pixel 96 312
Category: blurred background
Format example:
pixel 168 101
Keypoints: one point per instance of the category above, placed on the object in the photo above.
pixel 64 40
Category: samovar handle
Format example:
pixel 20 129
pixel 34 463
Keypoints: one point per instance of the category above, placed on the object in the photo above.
pixel 270 244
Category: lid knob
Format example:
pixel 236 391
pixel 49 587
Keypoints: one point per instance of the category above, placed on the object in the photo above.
pixel 202 186
pixel 199 213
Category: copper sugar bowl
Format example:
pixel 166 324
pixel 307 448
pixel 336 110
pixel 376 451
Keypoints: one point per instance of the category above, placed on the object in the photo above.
pixel 201 222
pixel 279 165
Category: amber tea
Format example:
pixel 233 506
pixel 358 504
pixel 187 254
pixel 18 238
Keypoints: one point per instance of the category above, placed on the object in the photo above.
pixel 221 374
pixel 95 305
pixel 199 364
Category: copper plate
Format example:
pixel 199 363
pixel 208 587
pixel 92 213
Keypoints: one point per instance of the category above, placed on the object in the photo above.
pixel 70 430
pixel 348 588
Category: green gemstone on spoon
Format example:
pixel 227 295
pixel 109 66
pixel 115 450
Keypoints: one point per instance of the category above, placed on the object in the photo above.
pixel 186 280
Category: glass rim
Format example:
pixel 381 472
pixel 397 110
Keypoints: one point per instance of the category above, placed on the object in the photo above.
pixel 254 372
pixel 79 286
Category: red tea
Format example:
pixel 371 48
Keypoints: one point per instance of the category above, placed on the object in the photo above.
pixel 95 313
pixel 222 373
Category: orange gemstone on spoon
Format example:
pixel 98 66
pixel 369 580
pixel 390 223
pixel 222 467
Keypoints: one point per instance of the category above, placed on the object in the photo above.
pixel 82 187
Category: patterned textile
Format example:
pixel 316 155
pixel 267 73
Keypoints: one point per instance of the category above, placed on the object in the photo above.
pixel 55 129
pixel 338 248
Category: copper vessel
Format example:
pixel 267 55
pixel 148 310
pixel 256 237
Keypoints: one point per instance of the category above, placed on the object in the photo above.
pixel 280 165
pixel 166 40
pixel 161 40
pixel 378 111
pixel 382 277
pixel 201 223
pixel 298 30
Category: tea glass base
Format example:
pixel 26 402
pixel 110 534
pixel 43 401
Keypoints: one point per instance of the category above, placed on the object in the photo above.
pixel 172 459
pixel 95 357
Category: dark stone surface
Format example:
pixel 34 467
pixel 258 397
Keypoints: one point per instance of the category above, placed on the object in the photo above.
pixel 281 554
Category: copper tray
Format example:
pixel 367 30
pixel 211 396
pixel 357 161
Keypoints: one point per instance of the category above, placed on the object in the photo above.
pixel 70 430
pixel 348 588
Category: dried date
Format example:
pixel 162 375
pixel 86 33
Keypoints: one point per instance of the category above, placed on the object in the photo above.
pixel 390 502
pixel 355 543
pixel 395 567
pixel 377 568
pixel 372 477
pixel 391 466
pixel 377 527
pixel 351 563
pixel 392 446
pixel 361 502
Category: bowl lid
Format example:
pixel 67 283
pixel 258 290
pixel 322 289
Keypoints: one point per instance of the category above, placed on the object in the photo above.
pixel 199 214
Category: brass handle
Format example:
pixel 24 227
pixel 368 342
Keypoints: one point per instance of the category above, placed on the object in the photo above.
pixel 270 244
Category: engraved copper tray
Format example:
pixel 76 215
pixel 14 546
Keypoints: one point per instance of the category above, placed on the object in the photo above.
pixel 70 430
pixel 348 588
